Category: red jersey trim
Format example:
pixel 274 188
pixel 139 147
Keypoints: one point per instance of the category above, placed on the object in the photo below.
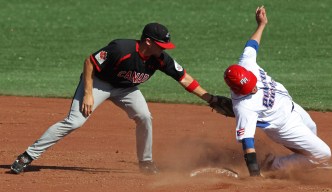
pixel 140 55
pixel 95 63
pixel 122 59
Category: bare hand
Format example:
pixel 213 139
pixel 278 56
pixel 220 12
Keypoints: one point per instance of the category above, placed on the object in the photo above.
pixel 87 105
pixel 261 15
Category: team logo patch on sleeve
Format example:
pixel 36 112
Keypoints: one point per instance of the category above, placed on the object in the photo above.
pixel 177 66
pixel 240 132
pixel 101 57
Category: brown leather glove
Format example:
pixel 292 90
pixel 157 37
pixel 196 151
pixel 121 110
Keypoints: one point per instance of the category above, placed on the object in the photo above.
pixel 222 105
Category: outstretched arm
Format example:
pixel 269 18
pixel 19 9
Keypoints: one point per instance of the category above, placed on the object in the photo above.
pixel 191 85
pixel 248 143
pixel 261 23
pixel 220 104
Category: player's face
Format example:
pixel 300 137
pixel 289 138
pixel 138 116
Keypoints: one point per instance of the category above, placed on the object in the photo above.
pixel 156 49
pixel 151 48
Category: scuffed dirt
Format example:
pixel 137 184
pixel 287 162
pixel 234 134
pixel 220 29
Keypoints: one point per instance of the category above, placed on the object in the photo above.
pixel 101 155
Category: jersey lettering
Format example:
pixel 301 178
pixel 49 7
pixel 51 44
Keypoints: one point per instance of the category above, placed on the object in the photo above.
pixel 133 76
pixel 128 76
pixel 146 77
pixel 137 77
pixel 269 90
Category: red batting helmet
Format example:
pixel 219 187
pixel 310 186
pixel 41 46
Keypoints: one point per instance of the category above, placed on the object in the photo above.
pixel 239 79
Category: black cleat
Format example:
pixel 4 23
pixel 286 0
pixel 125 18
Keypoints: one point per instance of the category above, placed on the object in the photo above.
pixel 148 167
pixel 21 163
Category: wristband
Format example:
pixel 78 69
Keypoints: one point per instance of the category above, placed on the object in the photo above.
pixel 248 143
pixel 252 164
pixel 192 86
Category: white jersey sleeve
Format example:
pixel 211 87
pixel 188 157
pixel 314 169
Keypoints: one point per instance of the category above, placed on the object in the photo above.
pixel 245 123
pixel 249 55
pixel 246 118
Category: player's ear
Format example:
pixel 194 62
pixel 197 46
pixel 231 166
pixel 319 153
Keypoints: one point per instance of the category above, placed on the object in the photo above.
pixel 254 90
pixel 148 41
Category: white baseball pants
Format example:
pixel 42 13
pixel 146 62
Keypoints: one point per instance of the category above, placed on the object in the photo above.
pixel 299 134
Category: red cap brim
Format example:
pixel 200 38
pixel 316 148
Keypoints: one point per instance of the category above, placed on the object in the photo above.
pixel 168 45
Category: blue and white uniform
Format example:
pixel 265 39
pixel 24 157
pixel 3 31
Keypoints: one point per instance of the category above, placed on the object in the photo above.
pixel 271 108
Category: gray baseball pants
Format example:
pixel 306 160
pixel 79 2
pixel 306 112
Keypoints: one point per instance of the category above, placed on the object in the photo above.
pixel 130 100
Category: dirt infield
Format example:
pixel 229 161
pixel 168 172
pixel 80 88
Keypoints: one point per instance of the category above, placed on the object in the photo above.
pixel 101 156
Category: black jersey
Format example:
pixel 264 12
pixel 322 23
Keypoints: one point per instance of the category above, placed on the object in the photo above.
pixel 120 64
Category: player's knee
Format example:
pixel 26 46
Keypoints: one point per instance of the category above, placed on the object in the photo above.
pixel 74 123
pixel 143 118
pixel 325 154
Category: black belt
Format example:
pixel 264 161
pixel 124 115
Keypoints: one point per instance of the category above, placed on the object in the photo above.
pixel 292 106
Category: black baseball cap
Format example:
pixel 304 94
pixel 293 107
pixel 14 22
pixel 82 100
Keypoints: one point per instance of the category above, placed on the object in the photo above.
pixel 159 34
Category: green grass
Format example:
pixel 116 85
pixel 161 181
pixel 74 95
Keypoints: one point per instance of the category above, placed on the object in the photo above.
pixel 44 44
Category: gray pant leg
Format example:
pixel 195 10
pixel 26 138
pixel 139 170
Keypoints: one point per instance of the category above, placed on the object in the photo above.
pixel 133 102
pixel 74 120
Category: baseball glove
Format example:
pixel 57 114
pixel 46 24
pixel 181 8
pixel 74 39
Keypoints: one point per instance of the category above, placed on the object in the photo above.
pixel 222 105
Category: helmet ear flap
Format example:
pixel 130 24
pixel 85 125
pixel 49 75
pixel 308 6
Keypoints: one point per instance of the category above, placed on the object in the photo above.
pixel 239 79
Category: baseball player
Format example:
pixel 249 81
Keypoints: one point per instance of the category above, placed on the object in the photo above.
pixel 259 101
pixel 114 72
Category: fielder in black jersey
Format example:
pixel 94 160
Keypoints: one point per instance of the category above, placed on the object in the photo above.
pixel 113 73
pixel 121 64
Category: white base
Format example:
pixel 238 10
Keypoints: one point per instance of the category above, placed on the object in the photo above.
pixel 216 171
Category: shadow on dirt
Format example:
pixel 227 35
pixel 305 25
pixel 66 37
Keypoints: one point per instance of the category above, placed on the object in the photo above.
pixel 36 168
